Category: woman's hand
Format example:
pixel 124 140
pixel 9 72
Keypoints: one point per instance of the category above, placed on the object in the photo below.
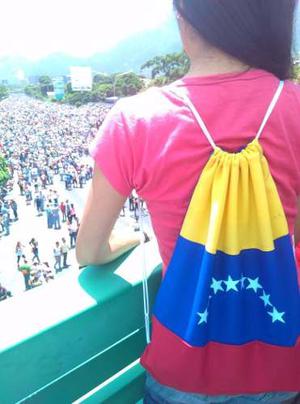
pixel 95 242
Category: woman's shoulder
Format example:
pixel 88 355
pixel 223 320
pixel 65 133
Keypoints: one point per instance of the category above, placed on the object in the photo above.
pixel 153 102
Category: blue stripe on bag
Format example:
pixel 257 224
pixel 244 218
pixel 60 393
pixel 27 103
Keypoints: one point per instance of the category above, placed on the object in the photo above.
pixel 262 304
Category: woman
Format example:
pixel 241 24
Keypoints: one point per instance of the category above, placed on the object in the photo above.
pixel 35 250
pixel 239 51
pixel 72 213
pixel 20 252
pixel 62 207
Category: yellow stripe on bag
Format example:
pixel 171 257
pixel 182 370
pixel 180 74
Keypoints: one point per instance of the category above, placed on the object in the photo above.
pixel 246 211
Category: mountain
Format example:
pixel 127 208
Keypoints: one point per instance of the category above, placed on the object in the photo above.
pixel 127 55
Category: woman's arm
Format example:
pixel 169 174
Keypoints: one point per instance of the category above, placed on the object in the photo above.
pixel 95 242
pixel 297 225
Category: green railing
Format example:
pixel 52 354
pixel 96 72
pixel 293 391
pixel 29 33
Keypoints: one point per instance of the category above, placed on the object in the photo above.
pixel 78 339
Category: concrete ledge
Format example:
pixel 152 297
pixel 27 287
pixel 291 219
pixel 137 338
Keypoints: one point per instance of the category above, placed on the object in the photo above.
pixel 50 331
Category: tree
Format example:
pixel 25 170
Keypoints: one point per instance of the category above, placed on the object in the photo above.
pixel 68 88
pixel 33 91
pixel 45 85
pixel 4 172
pixel 78 98
pixel 103 78
pixel 128 84
pixel 104 86
pixel 102 91
pixel 296 73
pixel 168 68
pixel 4 93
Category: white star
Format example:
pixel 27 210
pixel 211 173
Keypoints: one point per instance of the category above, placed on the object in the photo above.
pixel 266 299
pixel 216 285
pixel 231 284
pixel 203 317
pixel 253 284
pixel 276 316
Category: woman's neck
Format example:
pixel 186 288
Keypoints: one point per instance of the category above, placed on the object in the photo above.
pixel 214 64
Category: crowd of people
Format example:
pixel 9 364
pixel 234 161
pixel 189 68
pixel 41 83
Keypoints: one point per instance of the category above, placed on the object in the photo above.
pixel 45 144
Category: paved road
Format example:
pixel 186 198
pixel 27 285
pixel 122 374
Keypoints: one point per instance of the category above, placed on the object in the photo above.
pixel 30 225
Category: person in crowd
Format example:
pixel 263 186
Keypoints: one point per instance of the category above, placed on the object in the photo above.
pixel 56 218
pixel 122 213
pixel 20 252
pixel 1 225
pixel 4 293
pixel 90 172
pixel 49 213
pixel 75 179
pixel 25 269
pixel 131 202
pixel 5 223
pixel 72 229
pixel 235 109
pixel 82 178
pixel 14 207
pixel 57 257
pixel 55 197
pixel 36 275
pixel 72 213
pixel 42 202
pixel 61 173
pixel 36 186
pixel 47 272
pixel 136 209
pixel 68 210
pixel 62 207
pixel 68 181
pixel 49 173
pixel 35 250
pixel 44 180
pixel 64 251
pixel 21 187
pixel 38 203
pixel 28 194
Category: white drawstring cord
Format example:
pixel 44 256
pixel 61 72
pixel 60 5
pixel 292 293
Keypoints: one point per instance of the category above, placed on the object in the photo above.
pixel 145 277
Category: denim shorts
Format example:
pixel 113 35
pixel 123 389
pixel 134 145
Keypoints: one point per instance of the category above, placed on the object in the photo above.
pixel 156 393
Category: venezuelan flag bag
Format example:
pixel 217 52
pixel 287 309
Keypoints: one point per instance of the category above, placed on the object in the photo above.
pixel 227 315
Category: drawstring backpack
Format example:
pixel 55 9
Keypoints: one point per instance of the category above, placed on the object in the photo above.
pixel 227 315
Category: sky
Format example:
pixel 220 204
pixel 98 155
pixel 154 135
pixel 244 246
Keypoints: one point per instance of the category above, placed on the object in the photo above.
pixel 36 28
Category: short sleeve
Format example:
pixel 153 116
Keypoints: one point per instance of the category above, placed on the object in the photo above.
pixel 293 131
pixel 112 151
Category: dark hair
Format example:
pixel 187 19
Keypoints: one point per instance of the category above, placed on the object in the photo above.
pixel 257 32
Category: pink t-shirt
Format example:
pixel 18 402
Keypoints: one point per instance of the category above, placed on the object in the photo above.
pixel 152 143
